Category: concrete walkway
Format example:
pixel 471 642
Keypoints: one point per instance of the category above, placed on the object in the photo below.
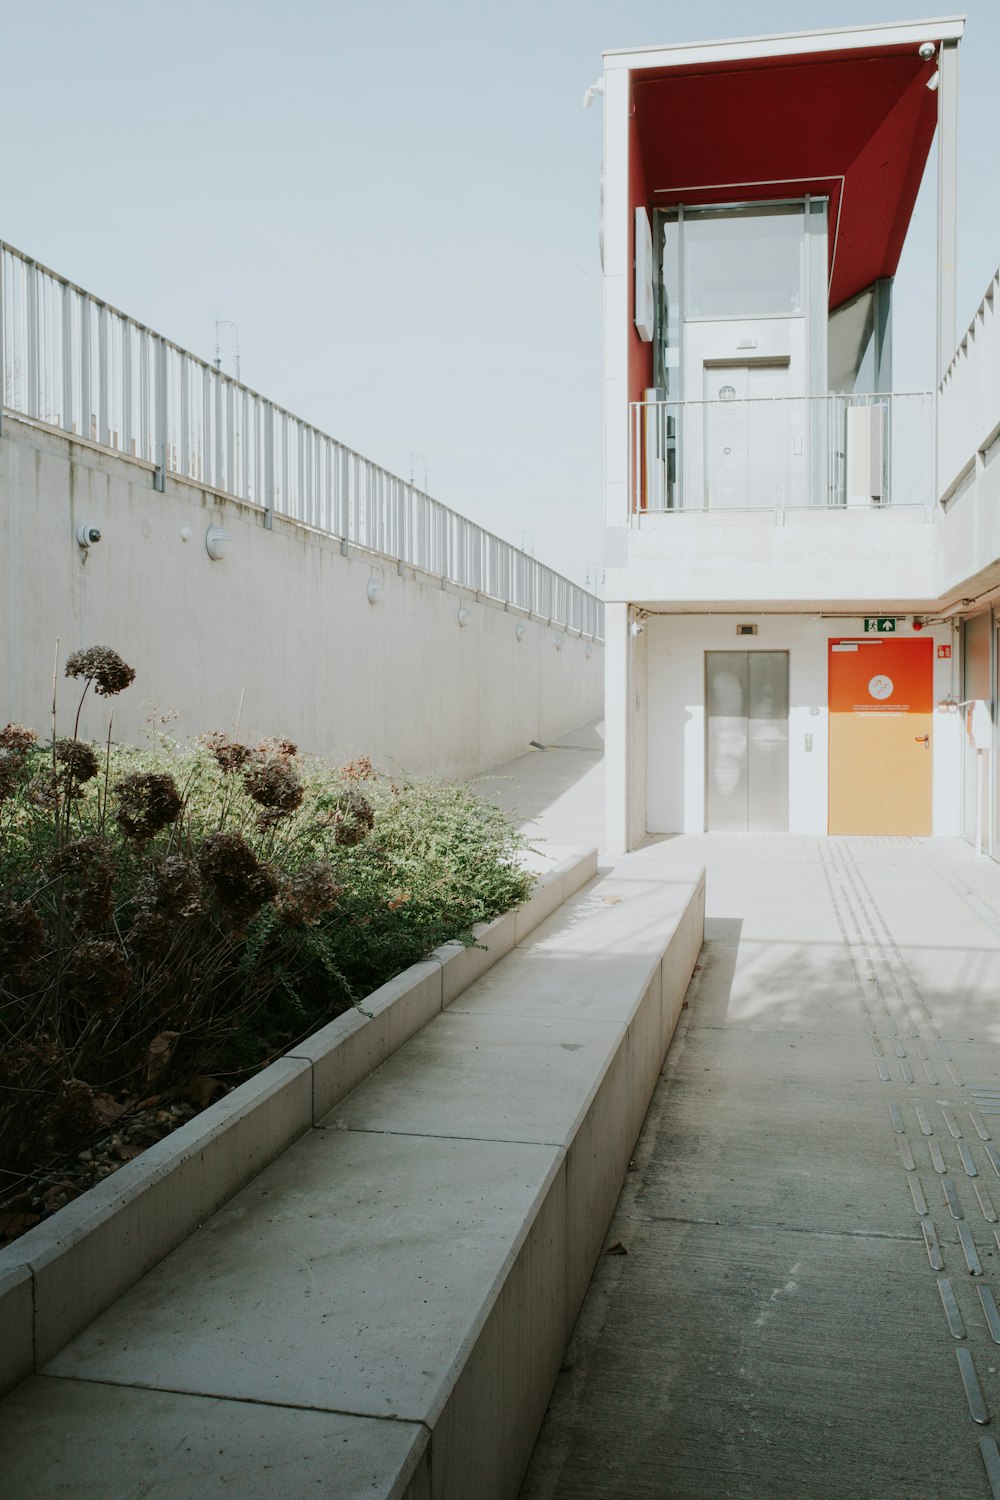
pixel 806 1306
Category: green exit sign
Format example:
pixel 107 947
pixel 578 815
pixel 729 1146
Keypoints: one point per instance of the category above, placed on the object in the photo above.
pixel 881 625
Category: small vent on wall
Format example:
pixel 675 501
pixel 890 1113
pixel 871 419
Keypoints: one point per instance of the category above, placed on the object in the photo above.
pixel 746 630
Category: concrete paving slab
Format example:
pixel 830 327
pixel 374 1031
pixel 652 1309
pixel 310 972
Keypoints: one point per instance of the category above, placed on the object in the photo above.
pixel 790 1166
pixel 620 918
pixel 56 1437
pixel 478 1077
pixel 329 1282
pixel 770 1369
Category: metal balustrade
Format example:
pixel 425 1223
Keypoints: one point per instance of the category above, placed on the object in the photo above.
pixel 782 452
pixel 969 403
pixel 75 363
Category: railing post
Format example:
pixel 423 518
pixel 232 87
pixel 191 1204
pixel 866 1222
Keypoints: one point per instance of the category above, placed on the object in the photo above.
pixel 103 422
pixel 267 417
pixel 160 417
pixel 128 443
pixel 31 360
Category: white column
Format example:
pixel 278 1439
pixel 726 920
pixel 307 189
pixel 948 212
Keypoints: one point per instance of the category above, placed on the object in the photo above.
pixel 947 237
pixel 617 727
pixel 617 271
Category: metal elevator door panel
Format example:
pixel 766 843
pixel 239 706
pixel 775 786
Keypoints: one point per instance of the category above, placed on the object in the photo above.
pixel 746 697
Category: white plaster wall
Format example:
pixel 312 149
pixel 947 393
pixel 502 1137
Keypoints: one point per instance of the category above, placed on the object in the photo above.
pixel 675 695
pixel 283 623
pixel 809 555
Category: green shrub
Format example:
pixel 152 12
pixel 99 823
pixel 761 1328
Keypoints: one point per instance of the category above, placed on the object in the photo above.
pixel 177 911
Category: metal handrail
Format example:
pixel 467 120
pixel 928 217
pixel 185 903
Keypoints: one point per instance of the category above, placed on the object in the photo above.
pixel 827 451
pixel 75 362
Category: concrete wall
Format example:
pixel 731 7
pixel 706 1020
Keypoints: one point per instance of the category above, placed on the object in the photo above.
pixel 675 696
pixel 283 623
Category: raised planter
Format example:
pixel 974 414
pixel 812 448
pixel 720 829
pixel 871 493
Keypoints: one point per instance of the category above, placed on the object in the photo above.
pixel 59 1276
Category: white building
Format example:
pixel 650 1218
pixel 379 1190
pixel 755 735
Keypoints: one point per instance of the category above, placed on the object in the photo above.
pixel 801 562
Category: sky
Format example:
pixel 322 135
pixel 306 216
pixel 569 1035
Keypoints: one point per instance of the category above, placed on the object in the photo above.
pixel 396 205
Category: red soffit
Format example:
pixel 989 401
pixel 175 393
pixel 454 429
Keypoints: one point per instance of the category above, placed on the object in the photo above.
pixel 854 127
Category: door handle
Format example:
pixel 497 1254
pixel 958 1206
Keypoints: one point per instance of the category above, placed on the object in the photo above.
pixel 923 739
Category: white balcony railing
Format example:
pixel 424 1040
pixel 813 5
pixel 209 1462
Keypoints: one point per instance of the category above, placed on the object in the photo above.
pixel 782 452
pixel 969 405
pixel 73 362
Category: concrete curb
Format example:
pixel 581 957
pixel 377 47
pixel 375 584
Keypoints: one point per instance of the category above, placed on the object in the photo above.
pixel 59 1276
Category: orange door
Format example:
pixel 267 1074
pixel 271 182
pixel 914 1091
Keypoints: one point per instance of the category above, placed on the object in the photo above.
pixel 881 718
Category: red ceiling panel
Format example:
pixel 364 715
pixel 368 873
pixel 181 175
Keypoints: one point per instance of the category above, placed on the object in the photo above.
pixel 857 128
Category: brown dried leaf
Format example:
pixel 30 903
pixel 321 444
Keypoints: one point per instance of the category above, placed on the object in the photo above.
pixel 201 1091
pixel 11 1225
pixel 107 1108
pixel 159 1053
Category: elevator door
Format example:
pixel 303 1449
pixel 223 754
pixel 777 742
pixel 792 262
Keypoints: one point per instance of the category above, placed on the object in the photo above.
pixel 748 444
pixel 746 696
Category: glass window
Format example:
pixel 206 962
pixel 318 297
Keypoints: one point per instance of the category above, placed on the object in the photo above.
pixel 743 262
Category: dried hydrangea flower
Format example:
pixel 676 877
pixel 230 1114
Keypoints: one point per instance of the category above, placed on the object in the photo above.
pixel 43 790
pixel 353 820
pixel 229 753
pixel 283 749
pixel 22 935
pixel 10 774
pixel 16 739
pixel 359 770
pixel 307 894
pixel 103 667
pixel 170 896
pixel 86 866
pixel 73 1111
pixel 76 762
pixel 173 887
pixel 98 975
pixel 235 877
pixel 148 801
pixel 273 784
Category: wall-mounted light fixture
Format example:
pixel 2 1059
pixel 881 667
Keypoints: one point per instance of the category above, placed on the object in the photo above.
pixel 559 642
pixel 636 628
pixel 186 533
pixel 88 536
pixel 521 632
pixel 464 616
pixel 590 649
pixel 374 590
pixel 218 543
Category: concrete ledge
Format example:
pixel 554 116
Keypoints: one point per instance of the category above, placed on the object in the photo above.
pixel 63 1273
pixel 81 1261
pixel 17 1354
pixel 352 1046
